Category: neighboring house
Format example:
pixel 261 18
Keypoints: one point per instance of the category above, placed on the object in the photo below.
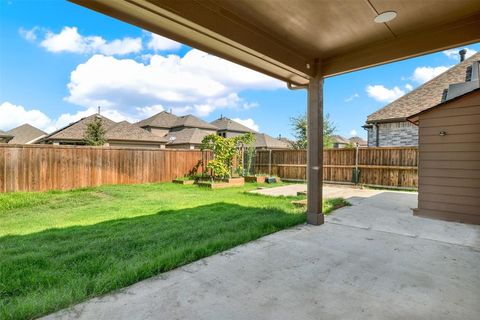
pixel 190 121
pixel 25 134
pixel 228 128
pixel 289 142
pixel 121 134
pixel 184 132
pixel 339 142
pixel 187 138
pixel 187 132
pixel 354 141
pixel 449 158
pixel 5 137
pixel 159 124
pixel 389 127
pixel 264 141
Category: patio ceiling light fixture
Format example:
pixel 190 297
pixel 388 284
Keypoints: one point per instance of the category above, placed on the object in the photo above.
pixel 386 16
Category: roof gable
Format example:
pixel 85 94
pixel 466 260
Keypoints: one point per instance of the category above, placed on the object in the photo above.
pixel 160 120
pixel 227 124
pixel 358 140
pixel 76 130
pixel 339 139
pixel 25 133
pixel 263 140
pixel 191 121
pixel 424 97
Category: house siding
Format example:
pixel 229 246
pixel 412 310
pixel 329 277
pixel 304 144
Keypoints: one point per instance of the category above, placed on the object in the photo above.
pixel 449 165
pixel 158 131
pixel 393 134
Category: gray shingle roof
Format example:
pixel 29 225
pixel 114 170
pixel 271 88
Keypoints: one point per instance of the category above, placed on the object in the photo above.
pixel 263 140
pixel 358 140
pixel 227 124
pixel 424 97
pixel 190 121
pixel 122 131
pixel 127 131
pixel 5 137
pixel 76 130
pixel 25 133
pixel 160 120
pixel 186 136
pixel 339 139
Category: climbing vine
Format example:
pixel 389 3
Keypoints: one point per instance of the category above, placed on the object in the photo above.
pixel 224 152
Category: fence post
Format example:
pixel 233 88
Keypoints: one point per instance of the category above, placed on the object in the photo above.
pixel 270 162
pixel 357 175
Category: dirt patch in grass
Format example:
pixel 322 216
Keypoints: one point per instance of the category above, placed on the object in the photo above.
pixel 329 205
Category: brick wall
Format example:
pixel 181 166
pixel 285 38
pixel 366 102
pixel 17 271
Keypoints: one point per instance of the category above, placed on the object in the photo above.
pixel 395 134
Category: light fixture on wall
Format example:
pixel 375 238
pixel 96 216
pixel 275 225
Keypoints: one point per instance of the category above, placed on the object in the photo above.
pixel 443 133
pixel 386 16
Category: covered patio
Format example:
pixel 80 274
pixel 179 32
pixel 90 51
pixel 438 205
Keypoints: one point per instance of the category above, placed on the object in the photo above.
pixel 373 260
pixel 303 42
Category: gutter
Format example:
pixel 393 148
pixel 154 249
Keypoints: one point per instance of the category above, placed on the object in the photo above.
pixel 370 126
pixel 402 119
pixel 290 86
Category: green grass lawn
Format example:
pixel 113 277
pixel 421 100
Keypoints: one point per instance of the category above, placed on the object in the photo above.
pixel 60 248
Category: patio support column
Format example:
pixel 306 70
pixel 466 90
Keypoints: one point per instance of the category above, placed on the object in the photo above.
pixel 315 149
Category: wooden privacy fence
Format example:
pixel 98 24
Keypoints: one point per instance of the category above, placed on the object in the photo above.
pixel 46 167
pixel 392 167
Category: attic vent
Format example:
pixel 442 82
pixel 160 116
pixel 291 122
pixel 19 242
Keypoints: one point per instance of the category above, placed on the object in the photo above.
pixel 444 94
pixel 468 75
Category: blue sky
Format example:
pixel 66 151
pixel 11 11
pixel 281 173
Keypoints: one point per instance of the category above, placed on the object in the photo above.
pixel 59 61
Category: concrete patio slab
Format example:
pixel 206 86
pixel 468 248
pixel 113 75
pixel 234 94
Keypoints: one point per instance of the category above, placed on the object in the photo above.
pixel 373 260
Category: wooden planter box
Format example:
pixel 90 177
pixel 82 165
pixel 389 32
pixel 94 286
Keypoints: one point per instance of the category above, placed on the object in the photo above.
pixel 184 181
pixel 257 179
pixel 226 183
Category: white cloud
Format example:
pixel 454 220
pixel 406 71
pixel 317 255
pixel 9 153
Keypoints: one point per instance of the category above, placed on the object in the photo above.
pixel 352 97
pixel 198 83
pixel 353 133
pixel 69 40
pixel 29 35
pixel 12 115
pixel 453 53
pixel 148 111
pixel 159 43
pixel 249 123
pixel 424 74
pixel 68 118
pixel 383 94
pixel 409 87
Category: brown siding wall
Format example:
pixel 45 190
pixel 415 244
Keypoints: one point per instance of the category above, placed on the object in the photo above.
pixel 449 166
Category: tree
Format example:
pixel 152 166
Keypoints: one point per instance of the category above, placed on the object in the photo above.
pixel 224 151
pixel 299 128
pixel 94 134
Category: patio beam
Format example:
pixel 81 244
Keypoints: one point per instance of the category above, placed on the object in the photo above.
pixel 315 148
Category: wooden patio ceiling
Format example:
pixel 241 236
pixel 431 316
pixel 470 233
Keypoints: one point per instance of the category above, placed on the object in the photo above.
pixel 285 38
